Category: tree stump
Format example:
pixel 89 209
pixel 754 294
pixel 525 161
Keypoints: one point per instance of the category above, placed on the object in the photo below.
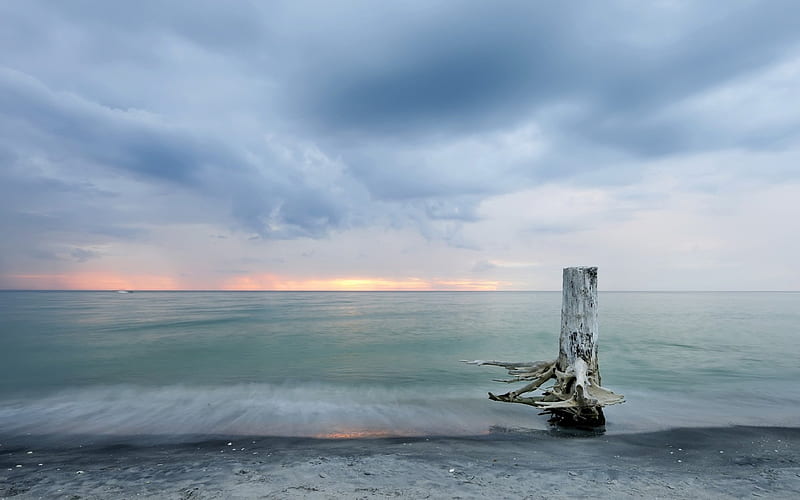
pixel 576 398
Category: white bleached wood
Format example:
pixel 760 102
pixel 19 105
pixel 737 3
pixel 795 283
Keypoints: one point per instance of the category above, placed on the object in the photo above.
pixel 576 398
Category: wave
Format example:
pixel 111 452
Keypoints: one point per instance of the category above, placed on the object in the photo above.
pixel 308 410
pixel 336 411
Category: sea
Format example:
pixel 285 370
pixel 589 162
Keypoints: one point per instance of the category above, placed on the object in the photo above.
pixel 376 364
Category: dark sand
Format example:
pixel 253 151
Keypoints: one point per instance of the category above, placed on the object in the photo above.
pixel 733 462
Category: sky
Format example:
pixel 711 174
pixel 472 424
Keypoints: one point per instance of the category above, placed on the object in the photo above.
pixel 410 145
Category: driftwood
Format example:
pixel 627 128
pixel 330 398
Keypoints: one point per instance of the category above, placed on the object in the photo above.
pixel 576 398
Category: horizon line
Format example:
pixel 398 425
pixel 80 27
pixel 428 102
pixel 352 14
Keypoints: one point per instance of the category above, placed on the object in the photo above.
pixel 131 290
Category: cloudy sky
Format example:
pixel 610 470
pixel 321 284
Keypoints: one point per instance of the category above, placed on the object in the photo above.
pixel 399 145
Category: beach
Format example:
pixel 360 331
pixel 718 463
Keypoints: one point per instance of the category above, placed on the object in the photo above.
pixel 728 462
pixel 361 395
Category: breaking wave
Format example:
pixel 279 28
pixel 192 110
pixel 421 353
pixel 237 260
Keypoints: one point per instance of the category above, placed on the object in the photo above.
pixel 310 410
pixel 333 411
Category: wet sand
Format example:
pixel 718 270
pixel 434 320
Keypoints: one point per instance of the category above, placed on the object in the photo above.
pixel 731 462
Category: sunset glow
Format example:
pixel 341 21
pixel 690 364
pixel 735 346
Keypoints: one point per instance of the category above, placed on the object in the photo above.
pixel 272 282
pixel 265 282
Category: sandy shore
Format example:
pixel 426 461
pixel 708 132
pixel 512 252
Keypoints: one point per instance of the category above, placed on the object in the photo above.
pixel 732 462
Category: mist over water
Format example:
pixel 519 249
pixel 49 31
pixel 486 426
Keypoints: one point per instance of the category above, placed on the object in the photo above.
pixel 374 364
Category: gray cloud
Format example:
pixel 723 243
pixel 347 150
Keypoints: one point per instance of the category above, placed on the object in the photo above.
pixel 469 69
pixel 84 254
pixel 289 120
pixel 268 195
pixel 482 266
pixel 123 139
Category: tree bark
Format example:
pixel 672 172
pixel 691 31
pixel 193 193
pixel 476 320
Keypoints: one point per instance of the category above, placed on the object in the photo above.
pixel 576 398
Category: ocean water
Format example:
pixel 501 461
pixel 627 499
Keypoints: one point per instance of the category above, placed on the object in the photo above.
pixel 340 364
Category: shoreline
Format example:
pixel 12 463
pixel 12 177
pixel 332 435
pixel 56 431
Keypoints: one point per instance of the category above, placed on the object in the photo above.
pixel 723 462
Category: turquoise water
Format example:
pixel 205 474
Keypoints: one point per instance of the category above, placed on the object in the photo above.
pixel 307 363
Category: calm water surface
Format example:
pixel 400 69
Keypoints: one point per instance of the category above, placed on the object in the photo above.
pixel 306 363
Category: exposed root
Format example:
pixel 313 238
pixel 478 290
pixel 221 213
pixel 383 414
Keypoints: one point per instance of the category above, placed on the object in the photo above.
pixel 573 398
pixel 520 371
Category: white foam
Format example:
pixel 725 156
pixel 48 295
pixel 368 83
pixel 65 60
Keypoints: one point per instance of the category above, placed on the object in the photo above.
pixel 321 410
pixel 260 409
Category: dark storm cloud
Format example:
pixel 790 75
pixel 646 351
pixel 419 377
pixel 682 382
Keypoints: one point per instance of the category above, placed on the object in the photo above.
pixel 603 81
pixel 384 113
pixel 490 65
pixel 458 71
pixel 80 135
pixel 116 138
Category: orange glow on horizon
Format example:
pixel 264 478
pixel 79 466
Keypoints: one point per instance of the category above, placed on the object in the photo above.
pixel 378 433
pixel 99 280
pixel 361 434
pixel 273 282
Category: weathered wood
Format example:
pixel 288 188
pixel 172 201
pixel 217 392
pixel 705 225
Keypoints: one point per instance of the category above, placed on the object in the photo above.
pixel 576 398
